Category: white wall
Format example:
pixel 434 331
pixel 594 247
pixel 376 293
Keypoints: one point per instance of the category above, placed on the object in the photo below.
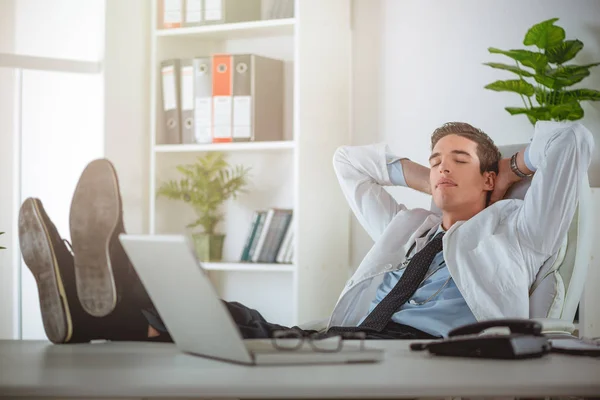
pixel 418 64
pixel 7 81
pixel 126 105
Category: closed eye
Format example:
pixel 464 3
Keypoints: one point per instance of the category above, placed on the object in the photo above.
pixel 460 162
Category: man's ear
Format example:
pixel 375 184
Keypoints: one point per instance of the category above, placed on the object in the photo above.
pixel 490 180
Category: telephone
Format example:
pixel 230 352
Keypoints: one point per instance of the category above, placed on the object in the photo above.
pixel 524 341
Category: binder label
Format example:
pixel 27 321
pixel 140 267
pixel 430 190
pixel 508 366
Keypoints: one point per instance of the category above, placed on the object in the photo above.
pixel 222 117
pixel 193 12
pixel 242 116
pixel 242 132
pixel 172 16
pixel 213 10
pixel 222 110
pixel 168 83
pixel 187 88
pixel 203 134
pixel 203 111
pixel 223 132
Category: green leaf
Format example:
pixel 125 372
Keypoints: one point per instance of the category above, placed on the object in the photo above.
pixel 555 97
pixel 552 97
pixel 567 70
pixel 540 113
pixel 584 94
pixel 516 110
pixel 533 114
pixel 547 81
pixel 542 95
pixel 537 61
pixel 570 111
pixel 517 86
pixel 545 34
pixel 511 68
pixel 564 51
pixel 531 119
pixel 558 78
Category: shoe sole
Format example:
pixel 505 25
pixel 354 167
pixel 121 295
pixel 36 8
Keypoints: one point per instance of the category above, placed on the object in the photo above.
pixel 95 214
pixel 40 258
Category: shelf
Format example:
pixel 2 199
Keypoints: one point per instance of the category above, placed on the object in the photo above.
pixel 234 146
pixel 252 267
pixel 239 30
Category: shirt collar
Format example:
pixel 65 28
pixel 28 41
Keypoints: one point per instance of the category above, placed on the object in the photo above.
pixel 439 229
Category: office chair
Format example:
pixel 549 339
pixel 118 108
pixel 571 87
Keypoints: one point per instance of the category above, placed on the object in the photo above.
pixel 557 289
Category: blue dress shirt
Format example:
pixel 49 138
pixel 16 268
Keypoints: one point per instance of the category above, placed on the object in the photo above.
pixel 437 306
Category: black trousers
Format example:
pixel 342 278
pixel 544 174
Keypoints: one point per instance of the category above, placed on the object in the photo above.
pixel 253 325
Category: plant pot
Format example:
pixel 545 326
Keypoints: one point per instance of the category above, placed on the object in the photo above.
pixel 209 247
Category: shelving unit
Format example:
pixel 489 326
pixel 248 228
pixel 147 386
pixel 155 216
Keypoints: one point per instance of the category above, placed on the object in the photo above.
pixel 241 146
pixel 294 173
pixel 240 30
pixel 247 267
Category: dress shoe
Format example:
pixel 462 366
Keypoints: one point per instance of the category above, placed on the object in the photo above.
pixel 51 263
pixel 103 271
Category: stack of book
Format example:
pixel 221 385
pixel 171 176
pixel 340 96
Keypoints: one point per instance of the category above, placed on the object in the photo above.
pixel 270 237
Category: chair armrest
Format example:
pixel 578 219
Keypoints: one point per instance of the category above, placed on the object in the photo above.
pixel 555 326
pixel 316 325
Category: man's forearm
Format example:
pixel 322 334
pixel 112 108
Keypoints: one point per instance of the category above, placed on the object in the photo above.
pixel 521 165
pixel 416 176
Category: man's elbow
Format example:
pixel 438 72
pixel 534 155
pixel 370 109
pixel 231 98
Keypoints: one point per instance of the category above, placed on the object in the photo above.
pixel 340 156
pixel 584 138
pixel 575 139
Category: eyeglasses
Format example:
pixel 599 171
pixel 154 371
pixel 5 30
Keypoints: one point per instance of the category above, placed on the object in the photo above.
pixel 289 340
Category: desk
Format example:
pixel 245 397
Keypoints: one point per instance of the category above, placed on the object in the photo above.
pixel 121 370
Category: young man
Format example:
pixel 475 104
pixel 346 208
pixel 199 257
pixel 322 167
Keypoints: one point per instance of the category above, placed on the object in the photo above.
pixel 425 275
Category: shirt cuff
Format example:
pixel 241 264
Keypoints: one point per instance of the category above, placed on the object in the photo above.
pixel 395 170
pixel 528 160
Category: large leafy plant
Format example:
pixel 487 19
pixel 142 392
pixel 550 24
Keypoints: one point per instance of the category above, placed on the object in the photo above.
pixel 543 76
pixel 206 185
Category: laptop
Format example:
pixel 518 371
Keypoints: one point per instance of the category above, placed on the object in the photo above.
pixel 197 319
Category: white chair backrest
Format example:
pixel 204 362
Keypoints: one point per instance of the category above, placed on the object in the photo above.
pixel 573 268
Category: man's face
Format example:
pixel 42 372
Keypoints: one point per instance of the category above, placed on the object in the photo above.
pixel 456 181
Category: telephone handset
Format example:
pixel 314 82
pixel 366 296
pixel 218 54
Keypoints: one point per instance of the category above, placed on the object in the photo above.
pixel 524 341
pixel 522 326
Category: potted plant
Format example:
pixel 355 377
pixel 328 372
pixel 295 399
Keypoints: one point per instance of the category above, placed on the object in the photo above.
pixel 543 76
pixel 2 248
pixel 206 185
